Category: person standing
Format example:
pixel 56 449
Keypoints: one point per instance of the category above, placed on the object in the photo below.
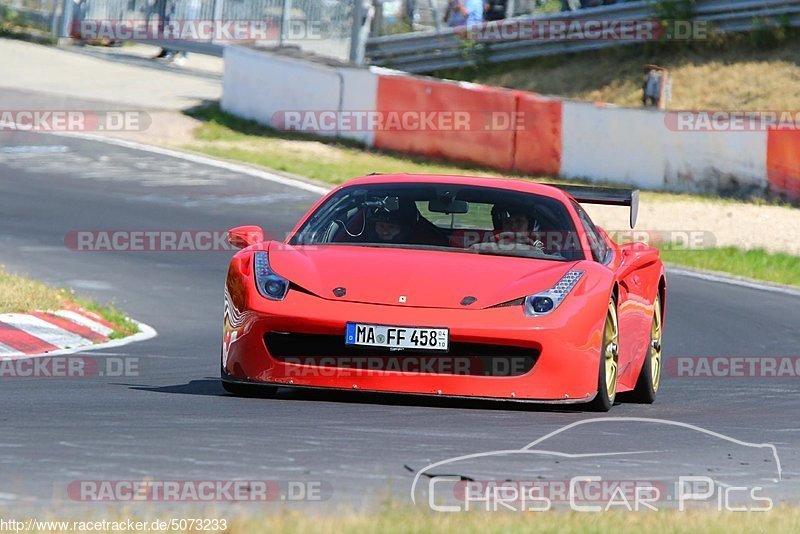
pixel 455 14
pixel 463 13
pixel 495 10
pixel 474 11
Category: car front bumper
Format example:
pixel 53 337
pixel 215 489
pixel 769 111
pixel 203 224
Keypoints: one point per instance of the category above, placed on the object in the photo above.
pixel 566 345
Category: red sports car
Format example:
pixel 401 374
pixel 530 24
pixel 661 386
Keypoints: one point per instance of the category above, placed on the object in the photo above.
pixel 448 285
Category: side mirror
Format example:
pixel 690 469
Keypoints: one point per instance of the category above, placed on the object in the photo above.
pixel 244 236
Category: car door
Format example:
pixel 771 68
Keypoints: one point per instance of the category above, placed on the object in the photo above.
pixel 628 313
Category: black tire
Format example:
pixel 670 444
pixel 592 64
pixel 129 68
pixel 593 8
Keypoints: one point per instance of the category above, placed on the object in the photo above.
pixel 647 383
pixel 604 400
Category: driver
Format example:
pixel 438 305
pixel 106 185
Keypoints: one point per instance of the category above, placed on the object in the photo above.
pixel 513 229
pixel 389 226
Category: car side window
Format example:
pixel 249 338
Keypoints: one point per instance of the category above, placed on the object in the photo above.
pixel 596 242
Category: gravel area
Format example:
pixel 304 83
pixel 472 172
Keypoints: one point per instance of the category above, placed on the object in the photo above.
pixel 711 223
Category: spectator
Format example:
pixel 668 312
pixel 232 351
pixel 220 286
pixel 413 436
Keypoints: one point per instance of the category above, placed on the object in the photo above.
pixel 656 86
pixel 570 5
pixel 474 11
pixel 164 17
pixel 463 13
pixel 495 10
pixel 456 14
pixel 411 11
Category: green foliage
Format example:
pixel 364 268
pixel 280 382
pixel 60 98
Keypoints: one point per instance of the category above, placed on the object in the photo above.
pixel 768 33
pixel 11 17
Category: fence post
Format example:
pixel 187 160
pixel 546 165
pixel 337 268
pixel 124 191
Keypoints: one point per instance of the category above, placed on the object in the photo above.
pixel 54 18
pixel 357 35
pixel 437 20
pixel 217 14
pixel 66 19
pixel 286 15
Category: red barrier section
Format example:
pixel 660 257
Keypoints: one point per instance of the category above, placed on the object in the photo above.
pixel 537 147
pixel 462 122
pixel 783 162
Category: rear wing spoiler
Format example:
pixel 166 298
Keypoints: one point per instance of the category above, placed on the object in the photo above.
pixel 610 196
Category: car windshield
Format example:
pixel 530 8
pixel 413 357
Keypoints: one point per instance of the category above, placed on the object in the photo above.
pixel 457 218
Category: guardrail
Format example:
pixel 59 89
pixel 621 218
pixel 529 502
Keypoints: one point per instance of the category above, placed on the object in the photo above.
pixel 422 52
pixel 323 27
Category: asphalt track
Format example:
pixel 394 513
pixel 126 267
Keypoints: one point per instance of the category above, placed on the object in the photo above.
pixel 174 421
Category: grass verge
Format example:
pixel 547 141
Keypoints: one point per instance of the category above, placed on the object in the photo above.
pixel 756 263
pixel 328 160
pixel 411 521
pixel 718 73
pixel 19 295
pixel 406 520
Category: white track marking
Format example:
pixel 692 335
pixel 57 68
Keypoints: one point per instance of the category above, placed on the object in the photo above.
pixel 28 149
pixel 82 320
pixel 45 331
pixel 145 332
pixel 9 352
pixel 732 280
pixel 195 158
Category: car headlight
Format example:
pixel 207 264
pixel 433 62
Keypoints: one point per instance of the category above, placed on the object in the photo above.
pixel 269 284
pixel 547 301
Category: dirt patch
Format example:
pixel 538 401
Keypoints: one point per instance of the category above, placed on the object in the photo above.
pixel 710 223
pixel 167 128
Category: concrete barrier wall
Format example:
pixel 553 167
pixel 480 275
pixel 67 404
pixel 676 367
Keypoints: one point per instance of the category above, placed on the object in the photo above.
pixel 359 93
pixel 462 115
pixel 601 143
pixel 261 86
pixel 642 148
pixel 783 162
pixel 538 143
pixel 267 87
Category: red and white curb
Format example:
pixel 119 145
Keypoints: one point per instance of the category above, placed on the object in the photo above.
pixel 51 333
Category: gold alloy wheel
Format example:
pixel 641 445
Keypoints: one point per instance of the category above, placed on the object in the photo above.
pixel 655 346
pixel 611 350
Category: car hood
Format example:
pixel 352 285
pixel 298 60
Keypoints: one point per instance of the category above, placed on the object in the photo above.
pixel 426 278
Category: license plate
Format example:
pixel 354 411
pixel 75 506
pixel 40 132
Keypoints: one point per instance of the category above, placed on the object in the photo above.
pixel 397 337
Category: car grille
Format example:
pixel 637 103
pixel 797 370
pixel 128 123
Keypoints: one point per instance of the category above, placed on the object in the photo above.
pixel 466 359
